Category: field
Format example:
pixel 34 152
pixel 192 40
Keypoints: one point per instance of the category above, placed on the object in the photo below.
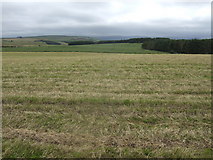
pixel 74 104
pixel 21 42
pixel 103 48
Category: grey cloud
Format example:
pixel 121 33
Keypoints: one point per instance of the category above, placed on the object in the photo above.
pixel 121 29
pixel 90 19
pixel 67 18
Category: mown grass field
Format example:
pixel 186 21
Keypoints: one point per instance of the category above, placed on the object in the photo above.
pixel 101 48
pixel 106 105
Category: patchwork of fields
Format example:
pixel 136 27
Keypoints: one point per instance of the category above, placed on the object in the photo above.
pixel 106 105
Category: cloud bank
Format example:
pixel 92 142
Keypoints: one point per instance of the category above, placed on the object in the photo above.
pixel 156 18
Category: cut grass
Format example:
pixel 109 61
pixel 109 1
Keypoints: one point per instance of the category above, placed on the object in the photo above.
pixel 64 105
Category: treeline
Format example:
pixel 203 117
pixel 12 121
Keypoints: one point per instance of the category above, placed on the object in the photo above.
pixel 89 42
pixel 131 40
pixel 79 42
pixel 193 46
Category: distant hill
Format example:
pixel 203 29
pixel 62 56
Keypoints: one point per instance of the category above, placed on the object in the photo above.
pixel 60 38
pixel 115 37
pixel 43 40
pixel 103 38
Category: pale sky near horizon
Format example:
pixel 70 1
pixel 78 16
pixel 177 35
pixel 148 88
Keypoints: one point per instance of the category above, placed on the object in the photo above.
pixel 145 18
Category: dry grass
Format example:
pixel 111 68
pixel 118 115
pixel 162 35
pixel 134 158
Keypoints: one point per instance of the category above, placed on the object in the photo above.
pixel 106 105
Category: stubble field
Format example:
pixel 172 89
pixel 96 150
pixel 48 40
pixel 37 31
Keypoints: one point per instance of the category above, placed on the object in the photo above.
pixel 106 105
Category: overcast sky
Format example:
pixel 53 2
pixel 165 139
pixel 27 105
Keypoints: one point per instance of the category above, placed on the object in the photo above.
pixel 145 18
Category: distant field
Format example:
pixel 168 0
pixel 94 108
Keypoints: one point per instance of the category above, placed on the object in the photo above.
pixel 34 41
pixel 21 42
pixel 105 48
pixel 106 105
